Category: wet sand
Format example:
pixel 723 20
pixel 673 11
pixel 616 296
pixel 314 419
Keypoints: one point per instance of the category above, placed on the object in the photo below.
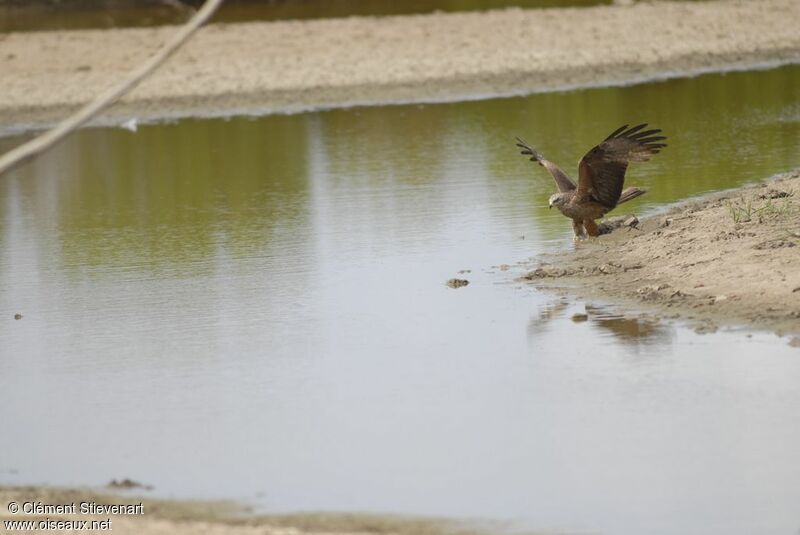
pixel 730 259
pixel 213 518
pixel 297 65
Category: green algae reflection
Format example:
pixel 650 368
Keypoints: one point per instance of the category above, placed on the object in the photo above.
pixel 181 193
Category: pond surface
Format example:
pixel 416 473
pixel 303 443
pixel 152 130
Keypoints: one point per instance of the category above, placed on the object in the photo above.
pixel 38 16
pixel 256 309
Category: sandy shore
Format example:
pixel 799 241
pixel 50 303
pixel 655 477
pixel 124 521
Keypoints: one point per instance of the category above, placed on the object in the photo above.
pixel 296 65
pixel 161 517
pixel 730 259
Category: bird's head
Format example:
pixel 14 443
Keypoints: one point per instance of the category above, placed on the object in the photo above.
pixel 557 199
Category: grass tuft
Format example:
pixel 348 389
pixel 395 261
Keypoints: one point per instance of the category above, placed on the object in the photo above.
pixel 745 211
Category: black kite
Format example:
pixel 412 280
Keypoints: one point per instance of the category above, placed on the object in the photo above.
pixel 601 174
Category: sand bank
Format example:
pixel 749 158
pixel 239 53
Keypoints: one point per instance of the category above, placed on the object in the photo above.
pixel 210 518
pixel 296 65
pixel 732 258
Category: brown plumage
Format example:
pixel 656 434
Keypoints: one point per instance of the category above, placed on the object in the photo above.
pixel 601 175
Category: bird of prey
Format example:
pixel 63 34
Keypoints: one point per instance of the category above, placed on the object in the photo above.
pixel 601 174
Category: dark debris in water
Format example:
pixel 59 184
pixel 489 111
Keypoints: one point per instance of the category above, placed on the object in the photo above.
pixel 457 283
pixel 17 316
pixel 707 327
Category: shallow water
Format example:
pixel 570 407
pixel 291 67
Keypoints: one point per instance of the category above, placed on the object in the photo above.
pixel 256 309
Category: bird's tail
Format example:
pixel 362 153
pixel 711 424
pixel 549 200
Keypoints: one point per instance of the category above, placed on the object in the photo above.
pixel 630 193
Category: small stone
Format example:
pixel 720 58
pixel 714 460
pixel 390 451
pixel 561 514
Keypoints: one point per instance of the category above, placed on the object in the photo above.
pixel 538 273
pixel 580 317
pixel 17 316
pixel 631 221
pixel 457 283
pixel 504 267
pixel 546 272
pixel 612 223
pixel 608 268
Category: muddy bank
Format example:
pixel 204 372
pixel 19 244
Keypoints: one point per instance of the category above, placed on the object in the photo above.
pixel 188 517
pixel 295 65
pixel 733 258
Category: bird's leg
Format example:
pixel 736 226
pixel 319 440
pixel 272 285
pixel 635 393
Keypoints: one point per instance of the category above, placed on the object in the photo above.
pixel 591 228
pixel 577 228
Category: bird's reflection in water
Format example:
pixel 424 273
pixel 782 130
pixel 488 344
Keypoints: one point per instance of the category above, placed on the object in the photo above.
pixel 626 328
pixel 547 313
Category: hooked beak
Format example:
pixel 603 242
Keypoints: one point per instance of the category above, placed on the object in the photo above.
pixel 551 206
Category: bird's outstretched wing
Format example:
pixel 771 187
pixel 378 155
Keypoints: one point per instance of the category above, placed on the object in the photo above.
pixel 563 182
pixel 601 172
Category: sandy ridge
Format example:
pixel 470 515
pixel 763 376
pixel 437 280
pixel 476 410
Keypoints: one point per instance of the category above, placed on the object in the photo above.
pixel 730 259
pixel 295 65
pixel 176 517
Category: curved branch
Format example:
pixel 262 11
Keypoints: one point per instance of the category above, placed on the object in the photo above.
pixel 46 140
